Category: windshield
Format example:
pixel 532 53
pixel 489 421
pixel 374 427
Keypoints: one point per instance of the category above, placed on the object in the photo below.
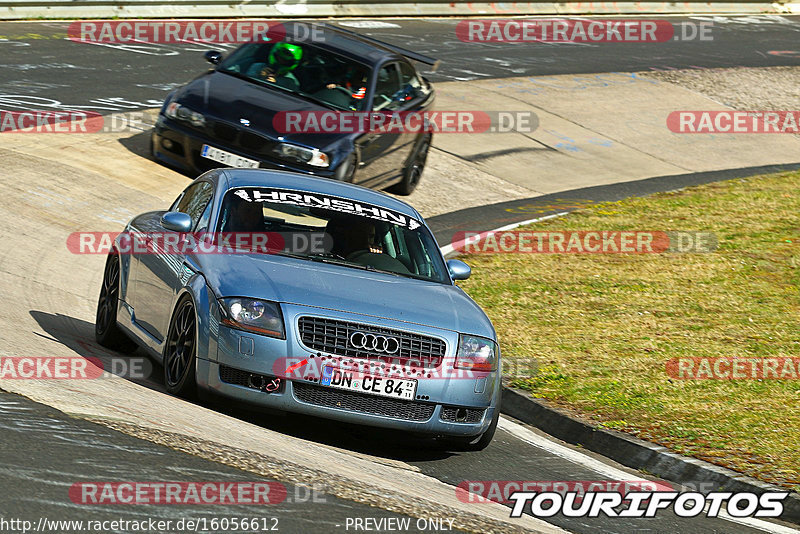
pixel 304 70
pixel 318 227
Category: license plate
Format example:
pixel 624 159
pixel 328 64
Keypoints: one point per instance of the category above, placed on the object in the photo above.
pixel 397 388
pixel 227 158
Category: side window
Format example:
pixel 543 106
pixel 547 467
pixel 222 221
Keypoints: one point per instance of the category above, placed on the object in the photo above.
pixel 202 225
pixel 195 200
pixel 387 89
pixel 398 244
pixel 399 249
pixel 411 85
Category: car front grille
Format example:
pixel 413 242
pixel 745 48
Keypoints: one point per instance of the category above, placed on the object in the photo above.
pixel 333 337
pixel 456 414
pixel 251 141
pixel 362 403
pixel 248 142
pixel 225 132
pixel 233 376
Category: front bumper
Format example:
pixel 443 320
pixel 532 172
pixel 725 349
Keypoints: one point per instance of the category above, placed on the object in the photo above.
pixel 447 404
pixel 179 145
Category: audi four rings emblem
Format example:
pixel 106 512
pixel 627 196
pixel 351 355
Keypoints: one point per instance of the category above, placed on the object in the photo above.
pixel 374 342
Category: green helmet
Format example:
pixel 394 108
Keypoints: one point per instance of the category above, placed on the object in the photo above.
pixel 285 57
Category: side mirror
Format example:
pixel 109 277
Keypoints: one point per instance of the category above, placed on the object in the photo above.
pixel 213 56
pixel 458 269
pixel 177 221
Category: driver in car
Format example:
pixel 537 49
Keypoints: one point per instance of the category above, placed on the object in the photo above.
pixel 283 58
pixel 349 83
pixel 362 238
pixel 350 238
pixel 356 242
pixel 243 216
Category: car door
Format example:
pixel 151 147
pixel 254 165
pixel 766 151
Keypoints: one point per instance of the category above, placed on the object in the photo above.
pixel 381 153
pixel 415 96
pixel 159 274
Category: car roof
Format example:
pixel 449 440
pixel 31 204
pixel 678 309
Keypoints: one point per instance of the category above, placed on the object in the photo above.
pixel 346 44
pixel 311 184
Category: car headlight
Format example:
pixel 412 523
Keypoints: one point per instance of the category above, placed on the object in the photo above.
pixel 258 316
pixel 309 156
pixel 182 113
pixel 476 353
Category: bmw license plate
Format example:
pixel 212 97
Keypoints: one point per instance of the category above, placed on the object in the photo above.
pixel 232 160
pixel 397 388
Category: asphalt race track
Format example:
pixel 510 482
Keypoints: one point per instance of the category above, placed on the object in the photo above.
pixel 40 63
pixel 91 452
pixel 44 451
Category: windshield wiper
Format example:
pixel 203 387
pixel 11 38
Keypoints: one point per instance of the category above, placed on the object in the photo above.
pixel 326 258
pixel 338 260
pixel 323 258
pixel 334 260
pixel 287 255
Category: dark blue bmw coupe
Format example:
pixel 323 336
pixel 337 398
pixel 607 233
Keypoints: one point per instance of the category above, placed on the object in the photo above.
pixel 226 116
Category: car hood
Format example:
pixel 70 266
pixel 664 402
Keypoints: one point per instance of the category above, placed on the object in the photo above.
pixel 228 98
pixel 346 289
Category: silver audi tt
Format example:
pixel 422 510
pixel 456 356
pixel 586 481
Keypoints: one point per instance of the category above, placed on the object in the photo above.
pixel 305 295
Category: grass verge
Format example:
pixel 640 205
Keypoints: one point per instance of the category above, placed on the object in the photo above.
pixel 601 327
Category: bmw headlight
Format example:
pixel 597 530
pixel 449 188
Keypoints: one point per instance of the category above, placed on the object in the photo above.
pixel 258 316
pixel 476 353
pixel 182 113
pixel 309 156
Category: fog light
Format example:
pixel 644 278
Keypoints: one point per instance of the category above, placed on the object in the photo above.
pixel 166 143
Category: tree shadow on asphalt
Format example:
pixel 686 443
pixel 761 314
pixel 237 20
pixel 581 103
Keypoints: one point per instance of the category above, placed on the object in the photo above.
pixel 139 368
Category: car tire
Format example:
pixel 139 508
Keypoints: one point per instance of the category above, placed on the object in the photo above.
pixel 479 442
pixel 180 351
pixel 412 172
pixel 347 170
pixel 106 331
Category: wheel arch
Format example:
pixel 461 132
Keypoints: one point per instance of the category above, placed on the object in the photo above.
pixel 417 143
pixel 124 270
pixel 206 316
